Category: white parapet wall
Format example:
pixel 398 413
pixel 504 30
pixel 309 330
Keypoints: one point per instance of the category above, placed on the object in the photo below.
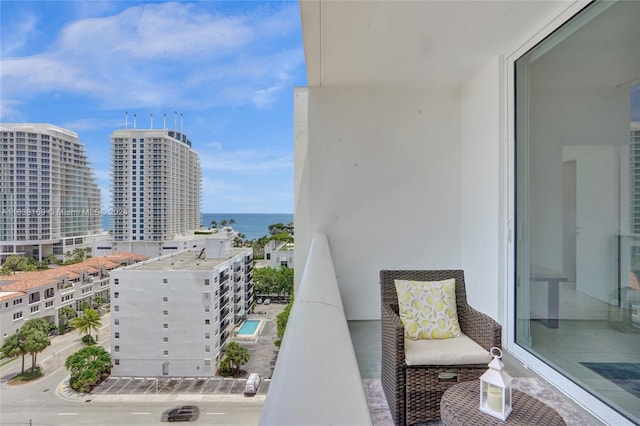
pixel 316 380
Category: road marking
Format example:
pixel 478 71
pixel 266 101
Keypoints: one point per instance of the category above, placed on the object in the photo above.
pixel 67 414
pixel 216 413
pixel 141 413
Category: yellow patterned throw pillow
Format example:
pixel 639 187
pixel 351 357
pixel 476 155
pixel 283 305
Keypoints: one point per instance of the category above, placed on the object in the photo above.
pixel 428 309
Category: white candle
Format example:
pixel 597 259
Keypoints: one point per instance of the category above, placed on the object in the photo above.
pixel 494 399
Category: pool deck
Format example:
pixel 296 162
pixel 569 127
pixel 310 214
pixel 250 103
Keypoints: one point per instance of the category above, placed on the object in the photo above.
pixel 253 336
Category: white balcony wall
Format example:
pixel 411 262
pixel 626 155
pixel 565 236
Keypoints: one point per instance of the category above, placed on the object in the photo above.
pixel 384 168
pixel 482 195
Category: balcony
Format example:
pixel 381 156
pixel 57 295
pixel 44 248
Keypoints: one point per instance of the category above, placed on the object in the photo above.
pixel 318 334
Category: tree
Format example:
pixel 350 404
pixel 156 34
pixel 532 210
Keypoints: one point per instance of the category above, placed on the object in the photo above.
pixel 35 342
pixel 285 280
pixel 88 367
pixel 35 338
pixel 84 305
pixel 13 347
pixel 223 222
pixel 265 280
pixel 214 224
pixel 64 315
pixel 16 263
pixel 99 300
pixel 281 322
pixel 278 228
pixel 236 356
pixel 88 322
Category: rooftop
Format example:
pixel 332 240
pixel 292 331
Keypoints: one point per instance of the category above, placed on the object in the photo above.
pixel 185 260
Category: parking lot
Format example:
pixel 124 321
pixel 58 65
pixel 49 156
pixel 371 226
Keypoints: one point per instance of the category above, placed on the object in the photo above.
pixel 172 385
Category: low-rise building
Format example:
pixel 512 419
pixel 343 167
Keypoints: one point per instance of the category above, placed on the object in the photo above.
pixel 41 294
pixel 279 253
pixel 172 315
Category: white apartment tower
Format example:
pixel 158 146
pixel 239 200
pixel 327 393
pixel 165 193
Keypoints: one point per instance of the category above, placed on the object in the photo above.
pixel 172 315
pixel 49 197
pixel 156 185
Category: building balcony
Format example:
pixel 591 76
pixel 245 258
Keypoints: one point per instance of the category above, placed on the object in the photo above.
pixel 318 334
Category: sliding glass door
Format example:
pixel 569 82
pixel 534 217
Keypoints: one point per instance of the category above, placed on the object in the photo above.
pixel 578 202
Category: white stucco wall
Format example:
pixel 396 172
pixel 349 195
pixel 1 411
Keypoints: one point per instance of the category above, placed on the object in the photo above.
pixel 482 195
pixel 384 170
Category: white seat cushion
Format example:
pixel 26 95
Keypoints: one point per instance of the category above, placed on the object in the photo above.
pixel 453 351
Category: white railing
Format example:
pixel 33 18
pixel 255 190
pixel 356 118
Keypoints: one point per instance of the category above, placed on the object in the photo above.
pixel 316 380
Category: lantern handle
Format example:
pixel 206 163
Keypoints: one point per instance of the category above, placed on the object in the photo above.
pixel 496 352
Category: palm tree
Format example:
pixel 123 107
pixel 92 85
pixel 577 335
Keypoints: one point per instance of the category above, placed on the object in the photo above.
pixel 88 322
pixel 14 346
pixel 36 342
pixel 87 367
pixel 223 222
pixel 214 224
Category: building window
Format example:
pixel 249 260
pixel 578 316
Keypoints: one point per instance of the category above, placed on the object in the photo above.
pixel 17 315
pixel 165 325
pixel 116 321
pixel 207 348
pixel 165 313
pixel 206 281
pixel 207 322
pixel 116 294
pixel 165 281
pixel 165 339
pixel 116 361
pixel 116 281
pixel 116 308
pixel 165 353
pixel 207 335
pixel 165 299
pixel 116 348
pixel 577 194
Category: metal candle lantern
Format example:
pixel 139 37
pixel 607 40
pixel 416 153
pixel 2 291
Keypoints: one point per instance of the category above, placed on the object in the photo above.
pixel 495 388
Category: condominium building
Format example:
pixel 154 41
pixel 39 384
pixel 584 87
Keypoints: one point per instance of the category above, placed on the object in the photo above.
pixel 49 198
pixel 41 294
pixel 172 315
pixel 156 185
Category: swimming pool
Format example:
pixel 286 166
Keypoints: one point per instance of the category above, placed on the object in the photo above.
pixel 249 328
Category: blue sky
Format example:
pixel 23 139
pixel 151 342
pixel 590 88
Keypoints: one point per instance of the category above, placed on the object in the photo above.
pixel 229 68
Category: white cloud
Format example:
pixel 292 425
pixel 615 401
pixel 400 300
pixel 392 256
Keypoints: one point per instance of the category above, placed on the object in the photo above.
pixel 162 54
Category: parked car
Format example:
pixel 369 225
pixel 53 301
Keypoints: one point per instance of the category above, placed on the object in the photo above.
pixel 253 383
pixel 186 413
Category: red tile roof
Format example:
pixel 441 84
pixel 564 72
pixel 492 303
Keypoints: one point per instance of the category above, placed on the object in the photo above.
pixel 24 281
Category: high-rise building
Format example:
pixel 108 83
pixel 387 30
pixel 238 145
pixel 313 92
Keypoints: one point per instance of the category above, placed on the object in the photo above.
pixel 156 185
pixel 49 197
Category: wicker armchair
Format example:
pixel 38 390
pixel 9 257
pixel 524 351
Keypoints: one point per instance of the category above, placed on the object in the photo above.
pixel 413 392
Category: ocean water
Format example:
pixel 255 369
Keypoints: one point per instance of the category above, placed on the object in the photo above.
pixel 252 225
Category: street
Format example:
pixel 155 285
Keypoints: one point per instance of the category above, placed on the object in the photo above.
pixel 44 402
